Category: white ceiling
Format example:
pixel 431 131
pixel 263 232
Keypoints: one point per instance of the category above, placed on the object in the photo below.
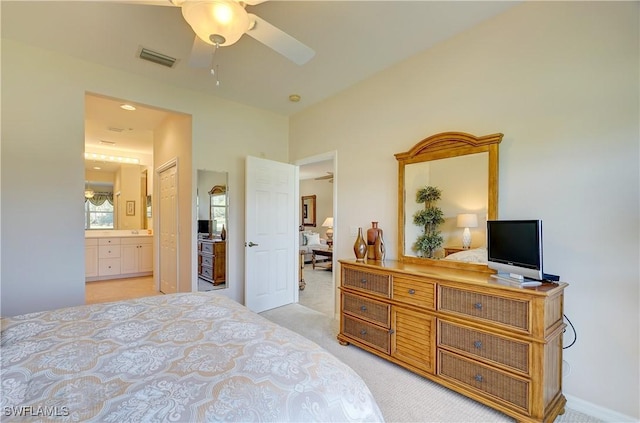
pixel 352 39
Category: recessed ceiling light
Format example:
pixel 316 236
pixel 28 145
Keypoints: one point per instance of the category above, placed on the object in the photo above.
pixel 97 168
pixel 127 107
pixel 294 98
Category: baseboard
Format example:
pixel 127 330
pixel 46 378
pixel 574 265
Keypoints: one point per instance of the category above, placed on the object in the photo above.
pixel 601 413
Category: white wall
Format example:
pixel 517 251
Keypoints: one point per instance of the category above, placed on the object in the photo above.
pixel 560 80
pixel 43 140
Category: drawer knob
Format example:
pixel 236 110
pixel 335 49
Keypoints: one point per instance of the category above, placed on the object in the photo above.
pixel 363 280
pixel 363 332
pixel 478 378
pixel 477 344
pixel 412 291
pixel 478 306
pixel 363 308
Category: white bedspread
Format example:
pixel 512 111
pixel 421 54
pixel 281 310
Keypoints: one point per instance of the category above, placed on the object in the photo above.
pixel 181 358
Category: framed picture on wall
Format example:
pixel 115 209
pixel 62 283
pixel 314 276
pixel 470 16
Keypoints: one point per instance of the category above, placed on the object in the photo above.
pixel 131 208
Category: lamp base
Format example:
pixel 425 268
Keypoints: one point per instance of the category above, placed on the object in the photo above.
pixel 466 239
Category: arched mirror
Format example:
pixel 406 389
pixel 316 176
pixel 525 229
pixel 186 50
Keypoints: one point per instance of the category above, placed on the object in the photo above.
pixel 459 171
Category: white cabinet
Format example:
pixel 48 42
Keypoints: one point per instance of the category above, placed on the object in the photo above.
pixel 108 256
pixel 90 258
pixel 136 255
pixel 118 257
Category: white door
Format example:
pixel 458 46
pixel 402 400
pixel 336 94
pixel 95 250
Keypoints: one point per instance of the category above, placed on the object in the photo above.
pixel 168 216
pixel 271 230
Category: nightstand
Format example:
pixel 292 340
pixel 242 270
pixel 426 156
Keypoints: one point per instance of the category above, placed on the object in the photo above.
pixel 451 250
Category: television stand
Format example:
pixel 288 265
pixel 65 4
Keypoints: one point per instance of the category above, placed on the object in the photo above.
pixel 521 281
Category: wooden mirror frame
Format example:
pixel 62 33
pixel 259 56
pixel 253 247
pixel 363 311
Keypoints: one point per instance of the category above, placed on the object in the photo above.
pixel 308 201
pixel 441 146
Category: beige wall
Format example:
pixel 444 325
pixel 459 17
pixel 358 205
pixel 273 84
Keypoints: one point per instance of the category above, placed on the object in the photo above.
pixel 560 80
pixel 43 140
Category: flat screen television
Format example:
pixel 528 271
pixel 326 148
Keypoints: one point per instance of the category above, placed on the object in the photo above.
pixel 203 226
pixel 514 248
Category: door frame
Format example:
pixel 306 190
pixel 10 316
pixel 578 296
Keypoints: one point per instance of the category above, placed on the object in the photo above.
pixel 329 155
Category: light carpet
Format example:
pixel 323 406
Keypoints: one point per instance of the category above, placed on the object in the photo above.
pixel 401 395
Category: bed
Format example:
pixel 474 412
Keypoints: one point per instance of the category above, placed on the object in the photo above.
pixel 475 255
pixel 179 357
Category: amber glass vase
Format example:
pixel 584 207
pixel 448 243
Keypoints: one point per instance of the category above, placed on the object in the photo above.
pixel 360 247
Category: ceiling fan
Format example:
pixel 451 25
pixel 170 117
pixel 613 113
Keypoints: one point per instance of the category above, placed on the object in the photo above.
pixel 325 177
pixel 221 23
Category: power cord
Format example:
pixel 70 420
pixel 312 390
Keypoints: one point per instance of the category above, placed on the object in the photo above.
pixel 573 329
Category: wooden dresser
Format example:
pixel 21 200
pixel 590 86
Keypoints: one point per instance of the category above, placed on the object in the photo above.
pixel 212 260
pixel 500 345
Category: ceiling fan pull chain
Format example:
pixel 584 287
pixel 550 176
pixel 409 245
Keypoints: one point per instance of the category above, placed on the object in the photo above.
pixel 216 70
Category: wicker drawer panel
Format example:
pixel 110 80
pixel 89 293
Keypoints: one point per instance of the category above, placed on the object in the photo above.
pixel 419 293
pixel 206 272
pixel 509 312
pixel 206 259
pixel 482 378
pixel 494 348
pixel 373 311
pixel 367 333
pixel 366 281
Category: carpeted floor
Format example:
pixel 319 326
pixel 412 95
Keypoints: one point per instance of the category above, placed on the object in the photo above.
pixel 318 293
pixel 401 395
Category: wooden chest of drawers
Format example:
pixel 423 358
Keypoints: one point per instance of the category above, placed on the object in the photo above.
pixel 212 261
pixel 499 345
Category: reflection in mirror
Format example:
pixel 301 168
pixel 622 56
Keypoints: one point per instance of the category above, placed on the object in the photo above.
pixel 308 212
pixel 212 204
pixel 465 169
pixel 464 186
pixel 108 192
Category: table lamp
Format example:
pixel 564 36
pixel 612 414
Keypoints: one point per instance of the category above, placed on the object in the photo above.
pixel 328 223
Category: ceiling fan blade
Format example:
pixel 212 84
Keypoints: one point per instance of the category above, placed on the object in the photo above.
pixel 201 54
pixel 279 41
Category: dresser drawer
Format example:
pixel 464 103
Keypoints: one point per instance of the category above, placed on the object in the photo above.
pixel 410 291
pixel 374 283
pixel 108 251
pixel 206 272
pixel 501 386
pixel 505 311
pixel 206 247
pixel 492 348
pixel 367 333
pixel 205 259
pixel 370 310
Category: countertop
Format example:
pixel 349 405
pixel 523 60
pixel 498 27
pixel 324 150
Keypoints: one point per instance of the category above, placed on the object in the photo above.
pixel 116 233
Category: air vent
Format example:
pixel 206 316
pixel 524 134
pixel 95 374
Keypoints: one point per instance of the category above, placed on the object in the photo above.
pixel 155 57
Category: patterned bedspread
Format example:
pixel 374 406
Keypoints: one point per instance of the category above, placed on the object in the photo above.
pixel 182 358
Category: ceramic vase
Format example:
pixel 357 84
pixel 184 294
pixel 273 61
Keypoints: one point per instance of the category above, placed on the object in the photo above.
pixel 378 248
pixel 223 233
pixel 372 234
pixel 360 247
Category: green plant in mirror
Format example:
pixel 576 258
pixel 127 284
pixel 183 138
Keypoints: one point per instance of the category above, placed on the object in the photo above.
pixel 428 218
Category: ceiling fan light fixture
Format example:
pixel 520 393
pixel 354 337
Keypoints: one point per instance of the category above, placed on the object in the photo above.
pixel 215 20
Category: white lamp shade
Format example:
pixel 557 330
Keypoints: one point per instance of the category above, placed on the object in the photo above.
pixel 467 220
pixel 328 222
pixel 225 18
